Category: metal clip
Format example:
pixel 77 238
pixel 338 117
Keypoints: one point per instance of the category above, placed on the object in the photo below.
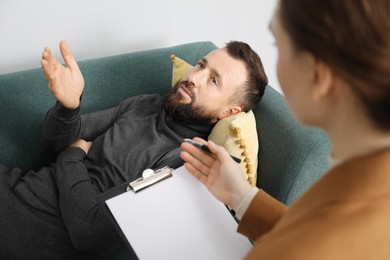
pixel 149 177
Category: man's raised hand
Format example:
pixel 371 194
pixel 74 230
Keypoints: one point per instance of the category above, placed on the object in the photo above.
pixel 65 82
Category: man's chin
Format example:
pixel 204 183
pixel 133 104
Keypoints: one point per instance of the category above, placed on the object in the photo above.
pixel 184 102
pixel 181 100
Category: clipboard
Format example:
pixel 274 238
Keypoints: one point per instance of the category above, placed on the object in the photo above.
pixel 175 217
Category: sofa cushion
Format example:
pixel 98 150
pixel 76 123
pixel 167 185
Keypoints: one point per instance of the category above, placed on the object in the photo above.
pixel 236 133
pixel 179 68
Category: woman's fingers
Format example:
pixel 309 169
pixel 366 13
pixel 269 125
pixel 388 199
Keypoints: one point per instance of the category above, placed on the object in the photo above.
pixel 197 164
pixel 200 140
pixel 218 151
pixel 202 156
pixel 196 173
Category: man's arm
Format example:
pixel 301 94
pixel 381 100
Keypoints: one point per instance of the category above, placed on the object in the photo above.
pixel 66 84
pixel 63 123
pixel 88 225
pixel 61 128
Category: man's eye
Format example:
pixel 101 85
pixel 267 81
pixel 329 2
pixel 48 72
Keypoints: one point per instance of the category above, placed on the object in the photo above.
pixel 213 81
pixel 200 65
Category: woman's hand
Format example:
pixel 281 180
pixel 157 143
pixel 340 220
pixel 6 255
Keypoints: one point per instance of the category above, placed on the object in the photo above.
pixel 217 171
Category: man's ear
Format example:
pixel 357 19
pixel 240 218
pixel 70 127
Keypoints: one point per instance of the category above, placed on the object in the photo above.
pixel 323 80
pixel 229 112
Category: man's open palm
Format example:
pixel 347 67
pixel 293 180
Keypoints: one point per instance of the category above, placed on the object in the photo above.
pixel 65 82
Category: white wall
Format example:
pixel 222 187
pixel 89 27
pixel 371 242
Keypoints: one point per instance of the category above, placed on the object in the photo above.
pixel 96 28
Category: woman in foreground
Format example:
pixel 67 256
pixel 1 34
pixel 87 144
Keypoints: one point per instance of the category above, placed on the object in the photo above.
pixel 334 70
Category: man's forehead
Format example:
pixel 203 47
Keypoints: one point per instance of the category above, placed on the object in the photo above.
pixel 221 61
pixel 216 54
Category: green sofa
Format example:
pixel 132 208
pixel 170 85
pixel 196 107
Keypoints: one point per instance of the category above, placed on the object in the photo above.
pixel 291 156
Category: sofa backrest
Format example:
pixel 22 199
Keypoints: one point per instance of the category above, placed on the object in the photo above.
pixel 291 156
pixel 25 97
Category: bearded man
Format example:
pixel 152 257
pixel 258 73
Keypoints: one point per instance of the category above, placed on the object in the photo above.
pixel 58 215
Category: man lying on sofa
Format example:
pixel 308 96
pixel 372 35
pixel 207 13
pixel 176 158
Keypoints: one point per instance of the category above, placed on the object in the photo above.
pixel 58 206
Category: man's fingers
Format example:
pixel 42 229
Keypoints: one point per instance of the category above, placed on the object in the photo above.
pixel 48 63
pixel 45 52
pixel 67 55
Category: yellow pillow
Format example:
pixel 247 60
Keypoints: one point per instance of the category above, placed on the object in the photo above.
pixel 237 133
pixel 180 68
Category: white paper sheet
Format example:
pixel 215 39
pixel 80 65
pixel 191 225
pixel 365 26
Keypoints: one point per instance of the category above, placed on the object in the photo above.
pixel 178 219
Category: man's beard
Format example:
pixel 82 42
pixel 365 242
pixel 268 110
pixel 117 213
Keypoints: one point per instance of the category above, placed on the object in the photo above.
pixel 186 113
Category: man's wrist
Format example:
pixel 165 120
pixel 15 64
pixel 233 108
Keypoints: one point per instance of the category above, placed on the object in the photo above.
pixel 74 105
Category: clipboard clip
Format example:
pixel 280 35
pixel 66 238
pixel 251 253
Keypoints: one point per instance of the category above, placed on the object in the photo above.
pixel 149 177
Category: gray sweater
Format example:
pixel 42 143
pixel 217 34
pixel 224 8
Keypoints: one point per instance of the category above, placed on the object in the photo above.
pixel 55 213
pixel 127 139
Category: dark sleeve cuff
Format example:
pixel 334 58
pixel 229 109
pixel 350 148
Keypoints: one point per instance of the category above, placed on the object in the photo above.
pixel 65 112
pixel 72 154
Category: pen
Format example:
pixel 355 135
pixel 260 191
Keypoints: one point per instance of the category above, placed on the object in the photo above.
pixel 204 147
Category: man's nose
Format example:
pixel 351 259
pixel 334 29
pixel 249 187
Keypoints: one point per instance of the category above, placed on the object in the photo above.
pixel 197 77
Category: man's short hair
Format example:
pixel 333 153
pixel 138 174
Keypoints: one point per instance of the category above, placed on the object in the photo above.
pixel 249 95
